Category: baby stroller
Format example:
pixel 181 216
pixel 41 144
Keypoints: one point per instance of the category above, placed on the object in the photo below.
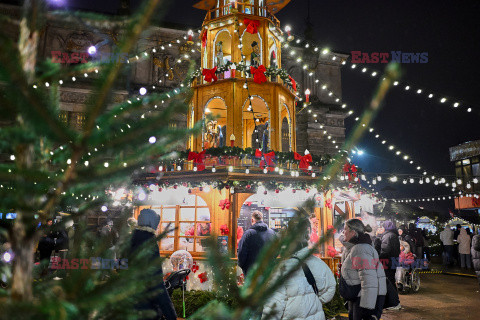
pixel 175 280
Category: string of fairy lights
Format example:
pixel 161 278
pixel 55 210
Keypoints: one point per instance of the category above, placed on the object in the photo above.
pixel 443 197
pixel 391 147
pixel 408 87
pixel 177 41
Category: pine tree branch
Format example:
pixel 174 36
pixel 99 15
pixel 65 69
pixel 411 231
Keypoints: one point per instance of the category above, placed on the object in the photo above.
pixel 30 102
pixel 97 103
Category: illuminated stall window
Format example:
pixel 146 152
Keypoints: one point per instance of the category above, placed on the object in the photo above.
pixel 187 224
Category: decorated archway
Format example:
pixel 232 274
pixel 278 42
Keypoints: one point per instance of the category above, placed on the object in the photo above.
pixel 255 123
pixel 215 128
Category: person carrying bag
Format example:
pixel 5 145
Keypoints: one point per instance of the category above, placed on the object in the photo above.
pixel 362 272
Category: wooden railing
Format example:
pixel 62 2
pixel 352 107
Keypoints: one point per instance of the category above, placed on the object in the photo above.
pixel 240 7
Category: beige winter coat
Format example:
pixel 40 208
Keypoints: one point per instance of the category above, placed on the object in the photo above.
pixel 464 242
pixel 295 299
pixel 369 274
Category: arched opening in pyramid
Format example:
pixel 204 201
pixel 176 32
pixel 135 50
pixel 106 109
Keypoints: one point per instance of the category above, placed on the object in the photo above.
pixel 256 124
pixel 215 129
pixel 252 49
pixel 222 48
pixel 286 129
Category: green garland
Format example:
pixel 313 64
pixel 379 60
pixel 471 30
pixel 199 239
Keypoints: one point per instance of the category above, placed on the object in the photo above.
pixel 271 72
pixel 281 157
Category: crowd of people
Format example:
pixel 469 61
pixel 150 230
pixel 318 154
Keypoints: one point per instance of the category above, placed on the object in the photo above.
pixel 457 247
pixel 367 287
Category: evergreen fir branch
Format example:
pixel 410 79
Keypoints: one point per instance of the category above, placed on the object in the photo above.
pixel 98 101
pixel 30 102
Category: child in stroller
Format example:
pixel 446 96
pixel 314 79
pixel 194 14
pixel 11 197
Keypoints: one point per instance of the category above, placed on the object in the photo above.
pixel 407 276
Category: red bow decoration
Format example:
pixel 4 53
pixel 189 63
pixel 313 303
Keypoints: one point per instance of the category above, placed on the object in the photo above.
pixel 331 251
pixel 328 203
pixel 197 159
pixel 252 25
pixel 224 230
pixel 210 74
pixel 195 267
pixel 304 161
pixel 204 39
pixel 258 74
pixel 224 204
pixel 267 159
pixel 294 84
pixel 350 170
pixel 330 227
pixel 248 203
pixel 203 277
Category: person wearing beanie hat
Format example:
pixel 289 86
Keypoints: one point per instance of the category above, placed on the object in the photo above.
pixel 389 247
pixel 148 221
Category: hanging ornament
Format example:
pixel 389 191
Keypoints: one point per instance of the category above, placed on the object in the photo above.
pixel 224 204
pixel 224 230
pixel 195 267
pixel 209 74
pixel 203 277
pixel 251 25
pixel 258 74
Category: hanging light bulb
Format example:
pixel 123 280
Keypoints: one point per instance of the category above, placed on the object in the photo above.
pixel 469 185
pixel 427 180
pixel 213 169
pixel 404 181
pixel 421 181
pixel 412 180
pixel 459 181
pixel 379 178
pixel 475 180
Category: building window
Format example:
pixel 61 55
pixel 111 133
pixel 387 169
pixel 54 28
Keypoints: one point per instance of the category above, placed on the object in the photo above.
pixel 72 119
pixel 467 170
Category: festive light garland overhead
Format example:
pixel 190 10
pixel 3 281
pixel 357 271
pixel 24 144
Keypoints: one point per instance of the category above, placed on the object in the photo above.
pixel 441 99
pixel 431 198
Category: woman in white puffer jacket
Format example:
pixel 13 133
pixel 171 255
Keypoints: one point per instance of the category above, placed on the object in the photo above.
pixel 296 299
pixel 362 266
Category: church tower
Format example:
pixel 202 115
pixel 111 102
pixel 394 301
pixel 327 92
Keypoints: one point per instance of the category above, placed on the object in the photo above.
pixel 245 97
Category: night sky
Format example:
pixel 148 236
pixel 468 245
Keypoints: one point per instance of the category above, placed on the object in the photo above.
pixel 448 30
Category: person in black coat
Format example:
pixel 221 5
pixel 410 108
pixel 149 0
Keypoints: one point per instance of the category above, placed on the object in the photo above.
pixel 148 221
pixel 389 248
pixel 253 241
pixel 46 244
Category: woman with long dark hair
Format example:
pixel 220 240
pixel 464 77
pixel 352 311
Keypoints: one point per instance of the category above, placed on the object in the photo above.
pixel 361 266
